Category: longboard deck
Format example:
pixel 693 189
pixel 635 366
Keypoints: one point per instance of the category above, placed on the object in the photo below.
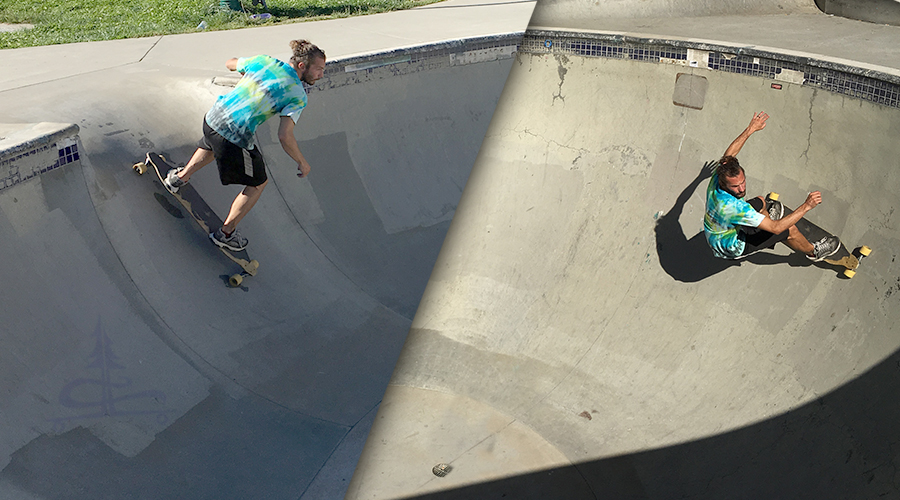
pixel 813 233
pixel 200 211
pixel 844 259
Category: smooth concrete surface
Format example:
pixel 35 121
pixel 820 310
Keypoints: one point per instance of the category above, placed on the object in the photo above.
pixel 128 368
pixel 575 305
pixel 355 36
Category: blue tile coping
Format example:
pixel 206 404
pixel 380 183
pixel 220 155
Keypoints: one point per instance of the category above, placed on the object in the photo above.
pixel 870 85
pixel 31 149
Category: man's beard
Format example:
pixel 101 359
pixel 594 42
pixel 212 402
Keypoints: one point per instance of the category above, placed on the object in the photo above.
pixel 304 77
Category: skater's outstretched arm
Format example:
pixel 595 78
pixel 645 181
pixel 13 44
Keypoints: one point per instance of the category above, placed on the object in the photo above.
pixel 756 124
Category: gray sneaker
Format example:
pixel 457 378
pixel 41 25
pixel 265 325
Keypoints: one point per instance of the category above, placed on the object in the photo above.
pixel 235 242
pixel 173 182
pixel 825 247
pixel 775 209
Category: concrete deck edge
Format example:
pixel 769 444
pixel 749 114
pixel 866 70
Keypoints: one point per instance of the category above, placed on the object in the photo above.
pixel 450 45
pixel 823 61
pixel 16 139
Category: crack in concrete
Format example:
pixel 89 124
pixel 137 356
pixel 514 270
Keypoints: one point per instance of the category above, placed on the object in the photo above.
pixel 74 75
pixel 579 151
pixel 159 39
pixel 561 70
pixel 805 153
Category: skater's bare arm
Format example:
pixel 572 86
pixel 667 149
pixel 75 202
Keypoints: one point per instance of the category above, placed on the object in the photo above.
pixel 781 225
pixel 756 124
pixel 289 143
pixel 231 64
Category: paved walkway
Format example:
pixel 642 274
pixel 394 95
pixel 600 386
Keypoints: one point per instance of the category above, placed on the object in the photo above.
pixel 451 20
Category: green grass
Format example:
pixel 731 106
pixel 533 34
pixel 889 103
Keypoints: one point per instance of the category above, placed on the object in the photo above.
pixel 68 21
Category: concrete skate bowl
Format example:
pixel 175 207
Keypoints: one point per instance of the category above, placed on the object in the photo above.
pixel 577 339
pixel 129 368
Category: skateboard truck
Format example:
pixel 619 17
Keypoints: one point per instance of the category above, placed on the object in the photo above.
pixel 250 268
pixel 860 253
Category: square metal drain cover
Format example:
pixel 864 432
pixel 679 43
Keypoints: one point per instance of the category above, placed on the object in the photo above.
pixel 690 90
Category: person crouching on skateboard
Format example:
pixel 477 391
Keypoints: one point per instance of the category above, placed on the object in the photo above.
pixel 267 87
pixel 735 229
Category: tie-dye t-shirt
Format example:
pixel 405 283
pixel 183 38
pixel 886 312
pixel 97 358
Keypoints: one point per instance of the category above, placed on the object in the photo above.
pixel 268 87
pixel 724 215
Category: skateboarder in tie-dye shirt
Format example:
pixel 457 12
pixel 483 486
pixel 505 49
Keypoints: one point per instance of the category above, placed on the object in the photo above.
pixel 735 229
pixel 268 87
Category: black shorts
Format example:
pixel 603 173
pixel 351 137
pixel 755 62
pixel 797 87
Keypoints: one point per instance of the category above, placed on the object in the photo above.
pixel 236 164
pixel 756 239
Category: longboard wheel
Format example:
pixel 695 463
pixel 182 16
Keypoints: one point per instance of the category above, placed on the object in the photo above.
pixel 140 168
pixel 865 251
pixel 849 273
pixel 773 196
pixel 235 280
pixel 252 268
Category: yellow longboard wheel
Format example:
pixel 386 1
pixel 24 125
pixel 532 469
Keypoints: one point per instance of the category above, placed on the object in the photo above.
pixel 254 265
pixel 865 251
pixel 773 196
pixel 849 273
pixel 140 168
pixel 235 280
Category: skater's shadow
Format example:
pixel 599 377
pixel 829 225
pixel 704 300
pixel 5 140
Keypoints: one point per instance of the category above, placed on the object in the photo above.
pixel 691 260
